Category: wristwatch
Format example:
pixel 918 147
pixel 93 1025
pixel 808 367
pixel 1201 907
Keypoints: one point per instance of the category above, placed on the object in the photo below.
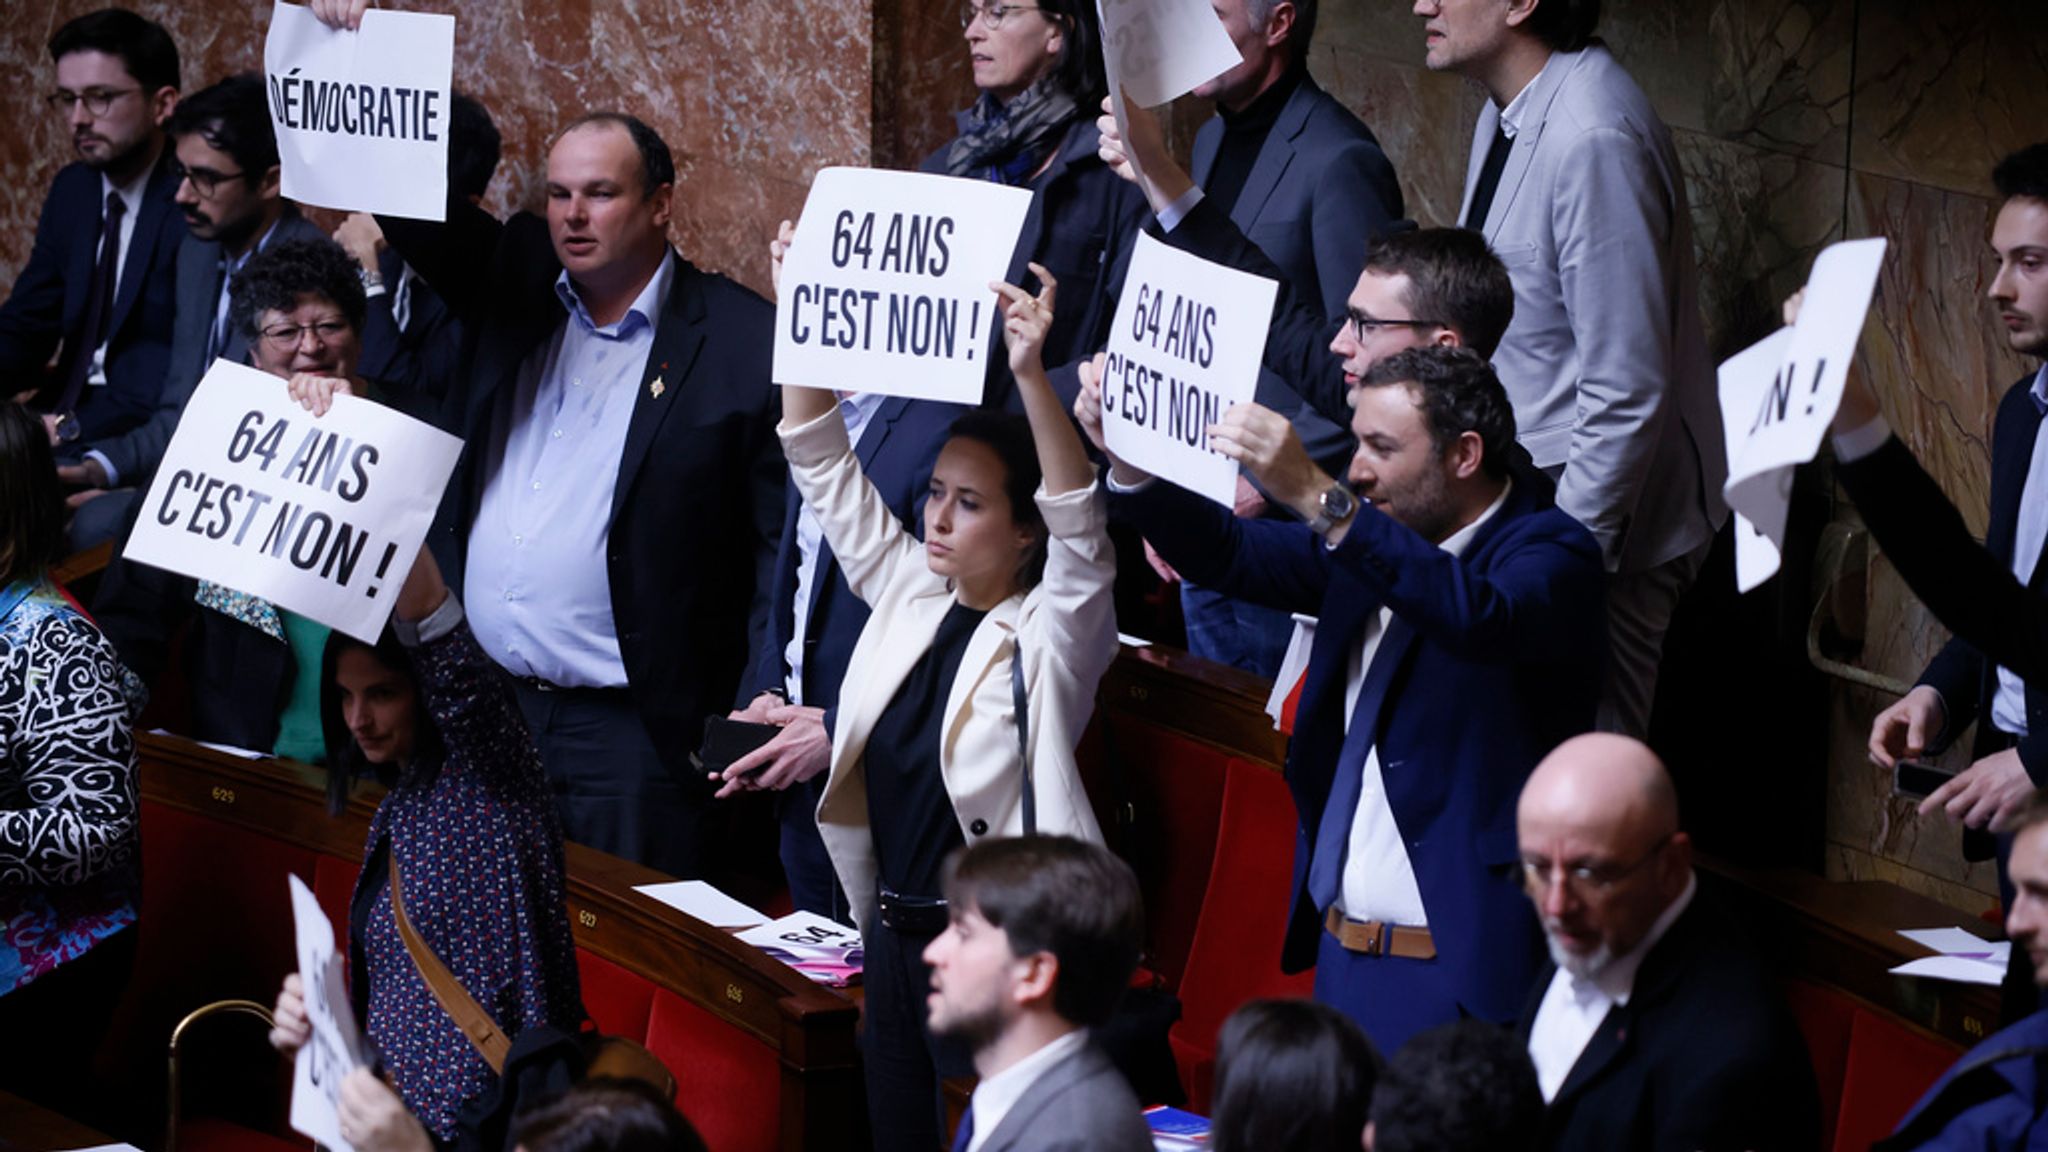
pixel 67 428
pixel 1335 506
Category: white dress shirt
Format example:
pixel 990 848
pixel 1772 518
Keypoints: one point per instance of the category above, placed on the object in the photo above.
pixel 1379 880
pixel 1511 116
pixel 994 1097
pixel 856 410
pixel 538 585
pixel 1572 1008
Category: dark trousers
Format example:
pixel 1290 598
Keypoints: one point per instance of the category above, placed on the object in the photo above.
pixel 611 788
pixel 1235 632
pixel 51 1029
pixel 813 884
pixel 1390 998
pixel 903 1060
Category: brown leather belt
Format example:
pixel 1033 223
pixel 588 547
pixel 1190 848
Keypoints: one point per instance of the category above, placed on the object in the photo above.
pixel 1372 938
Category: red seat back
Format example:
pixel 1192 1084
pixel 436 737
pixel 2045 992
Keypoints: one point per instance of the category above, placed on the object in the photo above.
pixel 1890 1066
pixel 727 1082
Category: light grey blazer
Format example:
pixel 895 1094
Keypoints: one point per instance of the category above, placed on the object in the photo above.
pixel 1606 360
pixel 1081 1104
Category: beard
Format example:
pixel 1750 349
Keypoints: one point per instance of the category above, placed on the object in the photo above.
pixel 976 1027
pixel 1582 966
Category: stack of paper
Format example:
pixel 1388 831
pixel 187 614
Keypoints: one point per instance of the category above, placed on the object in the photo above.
pixel 1176 1131
pixel 1962 957
pixel 706 903
pixel 824 950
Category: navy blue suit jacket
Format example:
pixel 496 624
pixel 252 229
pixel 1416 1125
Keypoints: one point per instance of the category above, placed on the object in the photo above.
pixel 1500 656
pixel 699 495
pixel 897 451
pixel 49 300
pixel 1991 1099
pixel 1967 680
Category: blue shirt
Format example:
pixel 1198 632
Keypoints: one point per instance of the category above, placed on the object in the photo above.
pixel 536 584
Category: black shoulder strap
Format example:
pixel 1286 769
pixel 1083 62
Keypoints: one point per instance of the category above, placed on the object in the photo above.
pixel 1019 703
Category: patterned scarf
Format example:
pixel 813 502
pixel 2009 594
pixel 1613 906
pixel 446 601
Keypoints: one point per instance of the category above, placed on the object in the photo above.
pixel 1008 143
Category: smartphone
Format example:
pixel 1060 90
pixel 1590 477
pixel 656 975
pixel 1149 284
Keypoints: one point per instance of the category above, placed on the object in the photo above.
pixel 1917 779
pixel 727 740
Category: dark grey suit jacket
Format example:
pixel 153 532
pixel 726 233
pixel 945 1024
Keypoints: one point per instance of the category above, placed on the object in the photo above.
pixel 1319 193
pixel 1081 1104
pixel 135 453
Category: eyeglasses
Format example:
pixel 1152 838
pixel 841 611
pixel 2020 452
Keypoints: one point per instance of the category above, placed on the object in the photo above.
pixel 993 15
pixel 1584 879
pixel 1366 325
pixel 205 181
pixel 96 100
pixel 285 337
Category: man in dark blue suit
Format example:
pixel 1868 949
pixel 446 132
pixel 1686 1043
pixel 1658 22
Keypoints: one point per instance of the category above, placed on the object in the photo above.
pixel 99 279
pixel 1306 181
pixel 814 620
pixel 1460 639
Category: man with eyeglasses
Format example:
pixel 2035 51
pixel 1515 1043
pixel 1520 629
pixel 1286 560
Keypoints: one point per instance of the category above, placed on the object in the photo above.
pixel 228 189
pixel 1660 1026
pixel 99 279
pixel 1301 176
pixel 253 669
pixel 1459 641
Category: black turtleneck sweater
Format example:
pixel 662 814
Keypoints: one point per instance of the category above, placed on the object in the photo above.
pixel 1244 135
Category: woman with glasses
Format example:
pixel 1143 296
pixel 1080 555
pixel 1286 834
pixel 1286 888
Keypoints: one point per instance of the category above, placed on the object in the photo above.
pixel 1039 69
pixel 253 668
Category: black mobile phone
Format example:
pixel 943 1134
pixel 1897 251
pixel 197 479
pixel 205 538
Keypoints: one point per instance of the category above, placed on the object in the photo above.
pixel 727 740
pixel 1917 779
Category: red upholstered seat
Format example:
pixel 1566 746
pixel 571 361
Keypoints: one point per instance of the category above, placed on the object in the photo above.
pixel 728 1083
pixel 207 1134
pixel 1826 1017
pixel 1176 786
pixel 1890 1066
pixel 1235 954
pixel 620 1001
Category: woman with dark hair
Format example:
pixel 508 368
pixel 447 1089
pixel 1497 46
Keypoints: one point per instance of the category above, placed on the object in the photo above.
pixel 607 1116
pixel 1039 70
pixel 468 836
pixel 68 875
pixel 1004 608
pixel 1291 1074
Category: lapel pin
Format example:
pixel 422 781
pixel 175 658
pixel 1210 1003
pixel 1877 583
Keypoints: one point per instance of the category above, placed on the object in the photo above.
pixel 657 388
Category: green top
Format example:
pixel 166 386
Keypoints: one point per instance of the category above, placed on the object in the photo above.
pixel 298 726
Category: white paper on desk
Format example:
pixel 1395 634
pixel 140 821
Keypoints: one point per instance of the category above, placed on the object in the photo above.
pixel 1954 968
pixel 362 117
pixel 696 898
pixel 1784 427
pixel 335 1050
pixel 110 1148
pixel 228 749
pixel 1958 942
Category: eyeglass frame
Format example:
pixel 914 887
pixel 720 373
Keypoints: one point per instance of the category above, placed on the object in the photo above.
pixel 992 16
pixel 1584 879
pixel 1360 323
pixel 97 101
pixel 205 181
pixel 325 332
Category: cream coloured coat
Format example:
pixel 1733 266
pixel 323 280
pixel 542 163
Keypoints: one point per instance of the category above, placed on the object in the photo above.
pixel 1067 625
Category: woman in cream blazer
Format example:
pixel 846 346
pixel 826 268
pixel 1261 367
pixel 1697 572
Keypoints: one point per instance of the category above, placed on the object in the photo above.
pixel 982 552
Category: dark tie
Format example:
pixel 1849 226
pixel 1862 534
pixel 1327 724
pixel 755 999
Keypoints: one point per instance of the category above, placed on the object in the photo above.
pixel 965 1134
pixel 99 307
pixel 1333 833
pixel 1489 179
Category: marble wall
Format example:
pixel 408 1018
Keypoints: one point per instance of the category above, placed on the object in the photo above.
pixel 1799 122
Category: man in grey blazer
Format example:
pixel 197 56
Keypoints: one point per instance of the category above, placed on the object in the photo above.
pixel 1574 181
pixel 1043 935
pixel 1305 180
pixel 228 189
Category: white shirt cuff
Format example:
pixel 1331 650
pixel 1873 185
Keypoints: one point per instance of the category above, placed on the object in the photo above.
pixel 1109 480
pixel 106 465
pixel 436 624
pixel 1170 216
pixel 1861 441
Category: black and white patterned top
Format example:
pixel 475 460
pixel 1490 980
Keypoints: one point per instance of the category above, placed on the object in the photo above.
pixel 69 851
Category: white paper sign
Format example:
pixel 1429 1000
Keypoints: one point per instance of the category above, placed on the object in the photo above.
pixel 1745 379
pixel 885 289
pixel 1184 348
pixel 322 517
pixel 362 117
pixel 1159 50
pixel 335 1049
pixel 1783 427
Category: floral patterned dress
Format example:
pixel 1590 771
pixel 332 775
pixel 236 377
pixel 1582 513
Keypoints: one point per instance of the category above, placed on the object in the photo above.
pixel 70 872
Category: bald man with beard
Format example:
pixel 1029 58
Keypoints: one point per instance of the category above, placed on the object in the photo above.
pixel 1658 1027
